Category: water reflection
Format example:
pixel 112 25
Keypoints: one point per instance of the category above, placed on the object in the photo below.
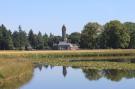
pixel 63 77
pixel 95 74
pixel 64 71
pixel 112 74
pixel 44 76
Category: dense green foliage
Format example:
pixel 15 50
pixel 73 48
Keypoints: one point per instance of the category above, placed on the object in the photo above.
pixel 89 35
pixel 131 30
pixel 75 38
pixel 20 39
pixel 6 41
pixel 115 35
pixel 112 35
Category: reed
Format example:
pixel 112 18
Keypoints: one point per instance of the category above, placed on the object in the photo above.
pixel 13 68
pixel 67 53
pixel 86 64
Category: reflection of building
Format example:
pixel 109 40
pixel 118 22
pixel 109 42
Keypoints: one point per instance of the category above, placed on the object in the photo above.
pixel 64 71
pixel 64 44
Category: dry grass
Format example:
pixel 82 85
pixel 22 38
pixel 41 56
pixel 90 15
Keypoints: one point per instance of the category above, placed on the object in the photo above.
pixel 67 53
pixel 12 68
pixel 14 73
pixel 86 64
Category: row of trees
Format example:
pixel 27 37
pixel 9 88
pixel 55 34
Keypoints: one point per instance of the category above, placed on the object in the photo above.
pixel 20 40
pixel 113 34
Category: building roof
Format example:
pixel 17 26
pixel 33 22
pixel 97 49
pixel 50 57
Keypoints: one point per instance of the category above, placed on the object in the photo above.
pixel 63 43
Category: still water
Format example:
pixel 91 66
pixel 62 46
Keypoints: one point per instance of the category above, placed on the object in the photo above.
pixel 57 77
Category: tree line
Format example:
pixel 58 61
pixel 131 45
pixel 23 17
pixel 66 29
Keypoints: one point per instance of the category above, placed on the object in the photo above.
pixel 112 35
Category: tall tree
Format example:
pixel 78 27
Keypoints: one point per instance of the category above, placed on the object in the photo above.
pixel 20 39
pixel 115 35
pixel 32 39
pixel 50 41
pixel 132 40
pixel 16 40
pixel 45 39
pixel 75 38
pixel 9 40
pixel 89 35
pixel 130 26
pixel 6 42
pixel 57 39
pixel 40 41
pixel 23 38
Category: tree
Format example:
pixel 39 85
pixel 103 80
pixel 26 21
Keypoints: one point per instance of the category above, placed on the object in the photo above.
pixel 20 39
pixel 131 30
pixel 75 38
pixel 53 40
pixel 57 39
pixel 130 26
pixel 50 41
pixel 40 41
pixel 23 38
pixel 9 40
pixel 16 40
pixel 132 40
pixel 6 42
pixel 32 39
pixel 89 35
pixel 115 35
pixel 45 39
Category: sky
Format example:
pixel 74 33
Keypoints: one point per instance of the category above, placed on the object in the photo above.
pixel 48 16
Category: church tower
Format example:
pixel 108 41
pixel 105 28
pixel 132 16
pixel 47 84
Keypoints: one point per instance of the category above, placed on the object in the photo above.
pixel 64 38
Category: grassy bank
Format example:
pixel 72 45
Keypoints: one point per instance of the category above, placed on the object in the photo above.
pixel 12 70
pixel 86 64
pixel 68 54
pixel 69 58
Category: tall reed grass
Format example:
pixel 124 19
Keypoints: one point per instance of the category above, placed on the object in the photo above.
pixel 67 53
pixel 11 69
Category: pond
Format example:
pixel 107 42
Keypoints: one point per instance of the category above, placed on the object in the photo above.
pixel 59 77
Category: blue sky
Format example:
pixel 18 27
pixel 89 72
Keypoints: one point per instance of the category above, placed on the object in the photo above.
pixel 49 15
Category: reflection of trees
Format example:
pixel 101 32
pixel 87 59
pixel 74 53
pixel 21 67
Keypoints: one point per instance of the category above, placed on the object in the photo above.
pixel 117 75
pixel 113 74
pixel 92 74
pixel 46 66
pixel 51 66
pixel 39 66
